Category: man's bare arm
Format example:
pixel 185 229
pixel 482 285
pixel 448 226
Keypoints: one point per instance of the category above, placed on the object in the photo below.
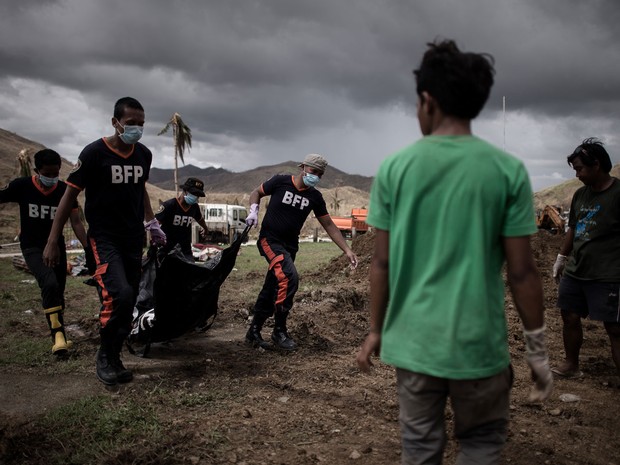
pixel 51 254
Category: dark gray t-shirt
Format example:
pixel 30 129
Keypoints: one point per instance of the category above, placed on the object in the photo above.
pixel 595 218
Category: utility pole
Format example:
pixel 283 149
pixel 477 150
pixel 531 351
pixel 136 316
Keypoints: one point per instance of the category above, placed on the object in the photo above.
pixel 504 114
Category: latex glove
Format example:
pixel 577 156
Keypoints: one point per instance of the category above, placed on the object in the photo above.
pixel 558 267
pixel 538 360
pixel 252 219
pixel 158 237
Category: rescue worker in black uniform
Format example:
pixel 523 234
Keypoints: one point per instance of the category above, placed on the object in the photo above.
pixel 113 172
pixel 175 217
pixel 292 200
pixel 38 197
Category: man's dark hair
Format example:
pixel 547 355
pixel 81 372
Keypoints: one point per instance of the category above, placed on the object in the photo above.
pixel 460 82
pixel 125 102
pixel 591 151
pixel 46 157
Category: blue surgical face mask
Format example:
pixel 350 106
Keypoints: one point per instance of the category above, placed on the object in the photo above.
pixel 310 179
pixel 131 134
pixel 190 199
pixel 48 182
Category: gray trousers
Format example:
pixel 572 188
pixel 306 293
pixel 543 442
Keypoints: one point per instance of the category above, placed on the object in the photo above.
pixel 481 413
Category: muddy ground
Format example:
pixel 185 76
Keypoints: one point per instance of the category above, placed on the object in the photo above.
pixel 314 406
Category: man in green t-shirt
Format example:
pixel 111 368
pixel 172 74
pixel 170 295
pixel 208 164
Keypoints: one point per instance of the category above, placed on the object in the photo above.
pixel 590 256
pixel 448 211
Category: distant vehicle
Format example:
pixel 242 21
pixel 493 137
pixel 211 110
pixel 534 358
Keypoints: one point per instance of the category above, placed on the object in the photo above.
pixel 224 223
pixel 352 225
pixel 551 219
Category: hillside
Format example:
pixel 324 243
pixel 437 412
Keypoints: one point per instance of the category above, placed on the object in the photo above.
pixel 562 194
pixel 222 186
pixel 221 180
pixel 340 189
pixel 10 146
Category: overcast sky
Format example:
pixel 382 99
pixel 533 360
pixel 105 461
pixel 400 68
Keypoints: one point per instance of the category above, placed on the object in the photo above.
pixel 265 81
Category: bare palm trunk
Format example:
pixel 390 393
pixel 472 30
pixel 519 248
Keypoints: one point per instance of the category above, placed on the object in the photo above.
pixel 176 160
pixel 176 173
pixel 182 136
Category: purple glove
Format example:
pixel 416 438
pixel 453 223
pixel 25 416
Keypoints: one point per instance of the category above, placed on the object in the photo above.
pixel 252 219
pixel 158 237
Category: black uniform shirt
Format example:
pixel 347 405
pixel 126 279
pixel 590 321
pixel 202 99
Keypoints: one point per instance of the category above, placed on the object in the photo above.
pixel 114 184
pixel 288 209
pixel 37 208
pixel 176 222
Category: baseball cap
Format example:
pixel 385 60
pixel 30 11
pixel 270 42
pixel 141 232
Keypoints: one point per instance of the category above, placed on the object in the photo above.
pixel 314 160
pixel 194 186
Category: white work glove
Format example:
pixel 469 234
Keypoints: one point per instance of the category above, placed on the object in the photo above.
pixel 252 219
pixel 558 267
pixel 158 237
pixel 538 360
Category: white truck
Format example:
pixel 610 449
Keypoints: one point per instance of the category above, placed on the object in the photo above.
pixel 223 221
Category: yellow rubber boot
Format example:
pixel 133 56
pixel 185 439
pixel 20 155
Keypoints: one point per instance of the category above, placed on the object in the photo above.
pixel 55 322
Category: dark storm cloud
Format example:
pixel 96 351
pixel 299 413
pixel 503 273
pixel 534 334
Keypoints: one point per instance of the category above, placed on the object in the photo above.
pixel 267 57
pixel 278 70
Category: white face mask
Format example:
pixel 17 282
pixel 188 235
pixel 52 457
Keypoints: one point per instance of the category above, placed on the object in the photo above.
pixel 310 179
pixel 48 182
pixel 190 199
pixel 131 134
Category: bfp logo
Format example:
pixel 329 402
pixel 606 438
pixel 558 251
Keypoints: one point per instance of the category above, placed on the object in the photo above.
pixel 180 220
pixel 294 200
pixel 41 211
pixel 126 174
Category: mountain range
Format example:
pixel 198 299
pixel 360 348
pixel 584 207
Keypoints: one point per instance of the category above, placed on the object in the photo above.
pixel 225 186
pixel 224 181
pixel 216 180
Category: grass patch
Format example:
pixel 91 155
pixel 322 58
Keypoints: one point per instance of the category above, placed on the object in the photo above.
pixel 140 426
pixel 25 352
pixel 93 430
pixel 250 264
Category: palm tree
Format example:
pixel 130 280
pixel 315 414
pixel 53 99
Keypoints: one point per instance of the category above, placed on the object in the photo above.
pixel 25 163
pixel 336 201
pixel 182 135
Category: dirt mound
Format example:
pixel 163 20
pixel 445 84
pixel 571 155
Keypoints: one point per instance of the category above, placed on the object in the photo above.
pixel 217 400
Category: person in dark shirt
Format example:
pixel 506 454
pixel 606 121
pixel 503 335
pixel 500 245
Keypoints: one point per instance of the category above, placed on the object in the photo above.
pixel 38 198
pixel 292 200
pixel 175 216
pixel 113 172
pixel 588 265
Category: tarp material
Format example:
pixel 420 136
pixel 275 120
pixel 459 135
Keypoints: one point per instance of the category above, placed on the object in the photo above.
pixel 177 296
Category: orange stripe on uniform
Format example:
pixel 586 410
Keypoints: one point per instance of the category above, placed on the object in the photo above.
pixel 106 311
pixel 276 267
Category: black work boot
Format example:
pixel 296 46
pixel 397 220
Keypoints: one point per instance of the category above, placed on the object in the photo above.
pixel 123 375
pixel 280 335
pixel 282 340
pixel 106 372
pixel 253 335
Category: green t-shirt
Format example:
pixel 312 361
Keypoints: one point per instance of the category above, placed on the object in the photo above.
pixel 595 218
pixel 447 201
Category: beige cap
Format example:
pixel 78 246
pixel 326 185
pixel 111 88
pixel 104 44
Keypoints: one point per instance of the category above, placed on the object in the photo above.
pixel 314 160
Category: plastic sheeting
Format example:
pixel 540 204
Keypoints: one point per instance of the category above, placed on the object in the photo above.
pixel 177 295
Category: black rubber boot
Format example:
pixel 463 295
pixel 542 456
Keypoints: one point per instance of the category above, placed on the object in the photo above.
pixel 253 335
pixel 282 340
pixel 106 372
pixel 123 375
pixel 280 335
